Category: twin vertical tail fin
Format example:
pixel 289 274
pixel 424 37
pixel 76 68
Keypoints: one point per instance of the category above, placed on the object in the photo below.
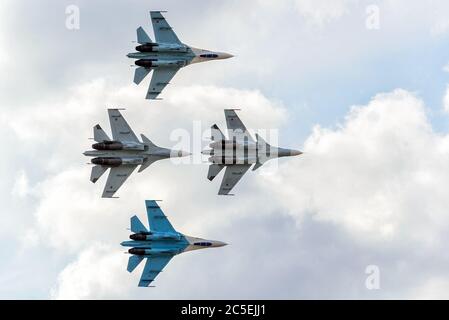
pixel 97 172
pixel 140 73
pixel 133 262
pixel 99 134
pixel 214 170
pixel 137 225
pixel 216 134
pixel 142 36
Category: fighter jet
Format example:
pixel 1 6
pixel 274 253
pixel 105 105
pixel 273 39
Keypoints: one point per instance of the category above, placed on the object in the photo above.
pixel 123 153
pixel 165 56
pixel 158 244
pixel 239 152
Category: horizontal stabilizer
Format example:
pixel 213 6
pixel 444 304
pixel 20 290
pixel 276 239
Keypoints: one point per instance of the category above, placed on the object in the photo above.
pixel 142 36
pixel 133 262
pixel 137 226
pixel 216 134
pixel 214 170
pixel 97 172
pixel 99 134
pixel 140 73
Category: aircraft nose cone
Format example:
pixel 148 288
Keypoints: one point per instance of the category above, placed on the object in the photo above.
pixel 225 55
pixel 180 153
pixel 295 152
pixel 219 244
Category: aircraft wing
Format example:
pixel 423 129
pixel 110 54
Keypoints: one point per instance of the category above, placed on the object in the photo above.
pixel 162 30
pixel 121 131
pixel 232 175
pixel 117 176
pixel 156 218
pixel 161 77
pixel 236 128
pixel 153 266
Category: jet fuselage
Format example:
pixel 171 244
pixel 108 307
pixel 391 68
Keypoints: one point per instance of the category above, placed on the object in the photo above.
pixel 157 243
pixel 228 152
pixel 174 58
pixel 131 156
pixel 164 56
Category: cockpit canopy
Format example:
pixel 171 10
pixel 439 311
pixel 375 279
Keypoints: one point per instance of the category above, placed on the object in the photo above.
pixel 209 55
pixel 202 244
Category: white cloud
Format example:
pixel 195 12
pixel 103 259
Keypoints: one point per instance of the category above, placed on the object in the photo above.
pixel 439 28
pixel 378 181
pixel 68 211
pixel 382 175
pixel 69 214
pixel 321 12
pixel 21 187
pixel 97 273
pixel 437 287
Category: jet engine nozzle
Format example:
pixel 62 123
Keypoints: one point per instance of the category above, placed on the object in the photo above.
pixel 154 63
pixel 144 63
pixel 109 162
pixel 108 145
pixel 146 47
pixel 161 47
pixel 138 237
pixel 138 252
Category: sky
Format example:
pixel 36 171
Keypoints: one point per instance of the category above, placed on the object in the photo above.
pixel 361 87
